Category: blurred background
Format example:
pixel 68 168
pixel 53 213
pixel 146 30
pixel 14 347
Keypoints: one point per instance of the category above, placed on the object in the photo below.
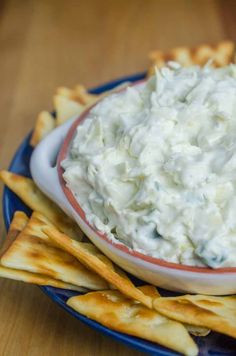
pixel 48 43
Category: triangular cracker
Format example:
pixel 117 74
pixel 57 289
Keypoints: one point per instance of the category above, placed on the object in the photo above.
pixel 38 222
pixel 18 223
pixel 114 310
pixel 222 54
pixel 35 226
pixel 33 251
pixel 66 108
pixel 94 263
pixel 215 313
pixel 66 92
pixel 45 123
pixel 28 191
pixel 192 329
pixel 84 97
pixel 36 278
pixel 79 94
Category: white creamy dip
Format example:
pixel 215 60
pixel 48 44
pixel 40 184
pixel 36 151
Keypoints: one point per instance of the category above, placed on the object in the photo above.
pixel 155 166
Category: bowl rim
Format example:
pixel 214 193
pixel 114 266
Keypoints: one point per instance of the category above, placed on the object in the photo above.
pixel 117 244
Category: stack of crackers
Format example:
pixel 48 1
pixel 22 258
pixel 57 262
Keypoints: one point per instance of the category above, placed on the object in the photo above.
pixel 48 248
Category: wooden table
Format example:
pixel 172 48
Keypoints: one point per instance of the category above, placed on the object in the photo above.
pixel 44 44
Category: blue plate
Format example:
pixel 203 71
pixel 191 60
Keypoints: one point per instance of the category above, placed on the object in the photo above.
pixel 213 344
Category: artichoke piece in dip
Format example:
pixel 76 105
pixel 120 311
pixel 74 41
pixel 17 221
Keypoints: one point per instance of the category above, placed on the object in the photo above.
pixel 155 166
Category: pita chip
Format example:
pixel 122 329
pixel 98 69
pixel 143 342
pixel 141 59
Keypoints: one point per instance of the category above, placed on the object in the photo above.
pixel 84 97
pixel 79 94
pixel 215 313
pixel 92 261
pixel 36 278
pixel 18 223
pixel 116 311
pixel 222 54
pixel 32 251
pixel 27 190
pixel 35 226
pixel 38 222
pixel 66 108
pixel 192 329
pixel 66 92
pixel 45 123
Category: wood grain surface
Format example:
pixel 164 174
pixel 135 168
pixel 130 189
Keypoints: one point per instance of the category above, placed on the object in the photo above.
pixel 44 44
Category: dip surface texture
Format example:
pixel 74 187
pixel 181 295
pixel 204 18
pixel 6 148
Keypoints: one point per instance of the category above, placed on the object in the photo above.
pixel 155 166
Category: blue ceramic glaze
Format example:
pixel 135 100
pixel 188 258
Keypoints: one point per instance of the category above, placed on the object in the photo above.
pixel 213 344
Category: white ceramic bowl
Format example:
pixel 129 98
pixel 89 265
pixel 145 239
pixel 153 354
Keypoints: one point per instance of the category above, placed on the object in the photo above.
pixel 47 173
